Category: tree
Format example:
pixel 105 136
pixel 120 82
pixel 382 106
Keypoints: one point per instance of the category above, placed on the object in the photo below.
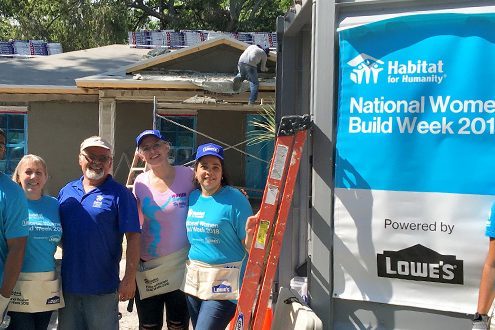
pixel 220 15
pixel 80 24
pixel 77 24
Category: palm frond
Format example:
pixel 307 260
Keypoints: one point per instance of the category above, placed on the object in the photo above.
pixel 264 126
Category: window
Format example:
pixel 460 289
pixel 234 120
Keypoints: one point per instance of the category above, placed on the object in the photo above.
pixel 182 140
pixel 15 127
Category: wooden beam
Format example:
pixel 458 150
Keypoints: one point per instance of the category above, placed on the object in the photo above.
pixel 45 89
pixel 26 98
pixel 148 84
pixel 140 95
pixel 217 106
pixel 13 108
pixel 184 52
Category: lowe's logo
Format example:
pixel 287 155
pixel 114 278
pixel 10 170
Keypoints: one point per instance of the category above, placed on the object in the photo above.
pixel 224 287
pixel 419 263
pixel 53 300
pixel 365 69
pixel 209 148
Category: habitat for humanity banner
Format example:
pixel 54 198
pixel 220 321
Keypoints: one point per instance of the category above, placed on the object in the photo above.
pixel 415 160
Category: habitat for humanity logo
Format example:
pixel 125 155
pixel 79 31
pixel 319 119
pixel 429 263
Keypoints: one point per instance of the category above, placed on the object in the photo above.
pixel 419 263
pixel 366 69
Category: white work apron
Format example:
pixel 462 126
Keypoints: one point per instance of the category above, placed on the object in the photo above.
pixel 161 275
pixel 36 292
pixel 212 282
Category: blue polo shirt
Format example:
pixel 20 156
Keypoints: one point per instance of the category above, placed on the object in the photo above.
pixel 93 224
pixel 13 216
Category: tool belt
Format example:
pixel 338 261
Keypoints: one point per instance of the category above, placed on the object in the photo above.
pixel 161 275
pixel 212 282
pixel 36 292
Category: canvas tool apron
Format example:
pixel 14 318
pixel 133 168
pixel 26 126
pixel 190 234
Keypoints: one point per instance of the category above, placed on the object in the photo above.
pixel 37 292
pixel 212 282
pixel 161 275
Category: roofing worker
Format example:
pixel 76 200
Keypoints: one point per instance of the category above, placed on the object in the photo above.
pixel 216 226
pixel 38 291
pixel 248 69
pixel 14 233
pixel 162 194
pixel 96 212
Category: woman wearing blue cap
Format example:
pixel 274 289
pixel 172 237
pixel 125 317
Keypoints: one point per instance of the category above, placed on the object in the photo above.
pixel 216 229
pixel 162 194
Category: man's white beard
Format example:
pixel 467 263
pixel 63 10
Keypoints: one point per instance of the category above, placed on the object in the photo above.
pixel 93 175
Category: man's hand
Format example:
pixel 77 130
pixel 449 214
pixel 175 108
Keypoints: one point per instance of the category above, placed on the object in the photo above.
pixel 481 322
pixel 4 303
pixel 127 288
pixel 264 69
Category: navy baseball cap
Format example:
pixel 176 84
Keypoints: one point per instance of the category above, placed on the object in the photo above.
pixel 154 132
pixel 209 149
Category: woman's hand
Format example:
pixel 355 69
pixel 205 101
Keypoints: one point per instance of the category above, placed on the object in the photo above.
pixel 251 225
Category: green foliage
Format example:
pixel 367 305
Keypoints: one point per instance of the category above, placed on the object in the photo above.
pixel 264 126
pixel 77 24
pixel 80 24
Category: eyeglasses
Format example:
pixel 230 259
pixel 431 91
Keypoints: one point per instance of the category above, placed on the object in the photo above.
pixel 95 158
pixel 153 147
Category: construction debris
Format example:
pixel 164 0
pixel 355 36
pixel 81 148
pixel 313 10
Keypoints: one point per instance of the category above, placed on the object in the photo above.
pixel 197 99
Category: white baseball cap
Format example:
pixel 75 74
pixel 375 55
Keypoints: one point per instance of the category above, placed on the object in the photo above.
pixel 95 141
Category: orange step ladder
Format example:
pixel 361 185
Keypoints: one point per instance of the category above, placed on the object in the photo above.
pixel 268 236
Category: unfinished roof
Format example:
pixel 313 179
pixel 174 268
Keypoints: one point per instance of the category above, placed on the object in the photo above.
pixel 62 69
pixel 196 67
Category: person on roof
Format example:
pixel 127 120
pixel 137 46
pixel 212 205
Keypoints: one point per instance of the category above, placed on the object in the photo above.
pixel 248 69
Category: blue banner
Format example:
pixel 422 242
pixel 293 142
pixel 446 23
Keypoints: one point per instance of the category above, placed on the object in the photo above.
pixel 416 105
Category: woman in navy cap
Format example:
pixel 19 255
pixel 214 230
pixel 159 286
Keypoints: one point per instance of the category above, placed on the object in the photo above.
pixel 216 229
pixel 162 194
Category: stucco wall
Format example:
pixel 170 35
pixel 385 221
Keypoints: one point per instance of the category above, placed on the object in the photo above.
pixel 131 119
pixel 228 127
pixel 55 132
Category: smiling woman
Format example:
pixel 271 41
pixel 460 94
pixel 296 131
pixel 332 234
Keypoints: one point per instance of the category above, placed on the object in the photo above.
pixel 216 229
pixel 38 269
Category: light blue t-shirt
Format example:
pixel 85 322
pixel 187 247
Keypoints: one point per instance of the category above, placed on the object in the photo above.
pixel 216 226
pixel 45 233
pixel 13 215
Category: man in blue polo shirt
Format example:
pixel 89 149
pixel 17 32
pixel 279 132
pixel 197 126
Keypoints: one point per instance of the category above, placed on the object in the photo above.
pixel 95 212
pixel 14 232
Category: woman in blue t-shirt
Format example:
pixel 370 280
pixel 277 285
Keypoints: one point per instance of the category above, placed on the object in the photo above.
pixel 37 283
pixel 216 229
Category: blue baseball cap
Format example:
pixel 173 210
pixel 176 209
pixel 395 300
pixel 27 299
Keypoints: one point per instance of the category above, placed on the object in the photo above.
pixel 154 132
pixel 209 149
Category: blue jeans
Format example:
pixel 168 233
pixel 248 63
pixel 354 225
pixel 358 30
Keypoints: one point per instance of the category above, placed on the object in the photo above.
pixel 83 312
pixel 150 311
pixel 29 321
pixel 210 314
pixel 249 73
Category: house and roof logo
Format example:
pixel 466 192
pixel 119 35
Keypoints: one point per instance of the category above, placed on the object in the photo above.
pixel 366 69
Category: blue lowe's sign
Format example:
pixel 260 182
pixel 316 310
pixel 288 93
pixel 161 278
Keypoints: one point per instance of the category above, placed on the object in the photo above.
pixel 414 178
